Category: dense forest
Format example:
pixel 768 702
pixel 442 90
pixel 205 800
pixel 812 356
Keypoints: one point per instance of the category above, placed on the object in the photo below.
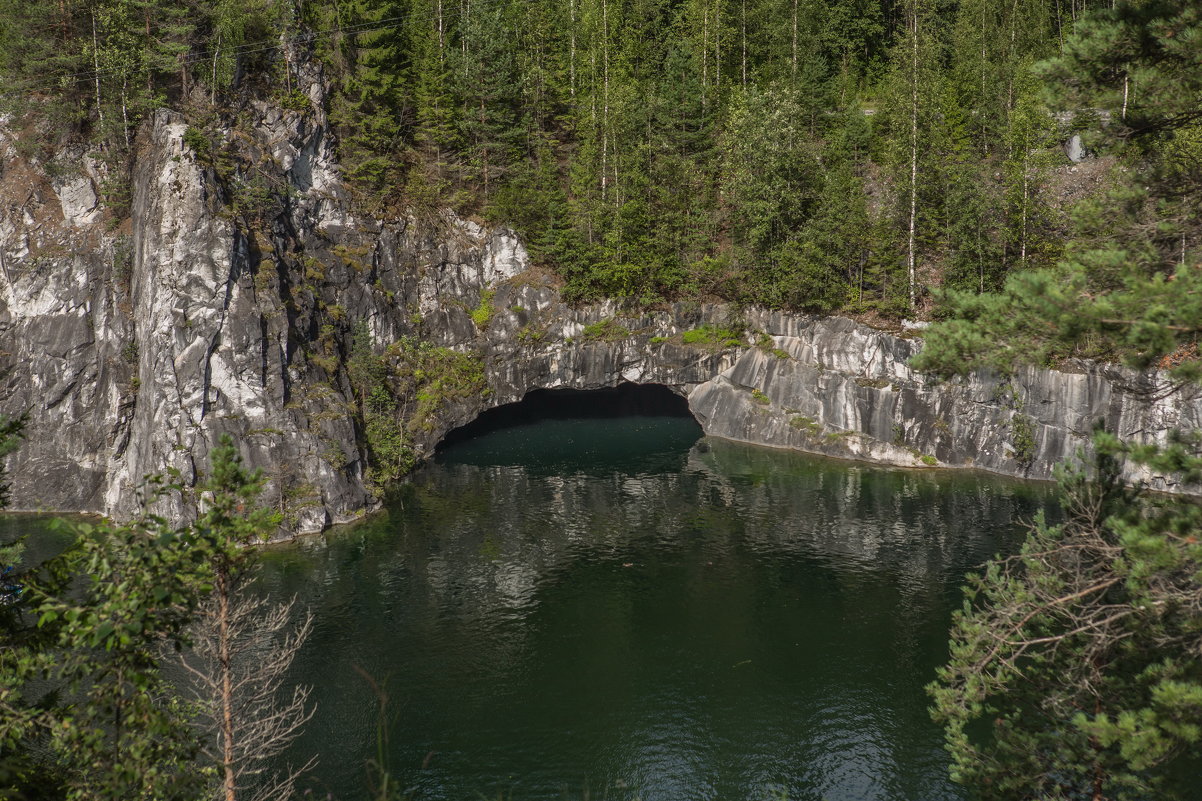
pixel 857 155
pixel 880 159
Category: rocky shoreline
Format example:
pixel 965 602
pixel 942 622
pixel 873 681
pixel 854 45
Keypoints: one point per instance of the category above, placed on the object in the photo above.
pixel 134 348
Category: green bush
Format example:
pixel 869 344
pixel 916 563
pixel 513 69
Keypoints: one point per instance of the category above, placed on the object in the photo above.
pixel 713 336
pixel 608 330
pixel 482 314
pixel 805 279
pixel 296 100
pixel 767 344
pixel 195 139
pixel 806 424
pixel 1022 439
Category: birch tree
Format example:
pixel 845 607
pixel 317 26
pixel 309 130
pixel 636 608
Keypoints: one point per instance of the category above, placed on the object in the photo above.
pixel 909 116
pixel 914 12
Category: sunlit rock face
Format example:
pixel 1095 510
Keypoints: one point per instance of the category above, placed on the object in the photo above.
pixel 134 348
pixel 830 385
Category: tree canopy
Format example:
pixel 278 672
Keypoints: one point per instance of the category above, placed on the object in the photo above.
pixel 86 711
pixel 861 156
pixel 1074 669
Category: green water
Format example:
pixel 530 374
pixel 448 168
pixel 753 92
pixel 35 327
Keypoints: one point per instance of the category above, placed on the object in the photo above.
pixel 617 609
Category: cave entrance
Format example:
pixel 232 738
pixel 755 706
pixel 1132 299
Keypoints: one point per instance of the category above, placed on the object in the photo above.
pixel 624 400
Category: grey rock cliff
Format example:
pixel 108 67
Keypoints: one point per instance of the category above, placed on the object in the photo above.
pixel 133 350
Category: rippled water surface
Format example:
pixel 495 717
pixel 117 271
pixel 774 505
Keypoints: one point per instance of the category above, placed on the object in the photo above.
pixel 619 609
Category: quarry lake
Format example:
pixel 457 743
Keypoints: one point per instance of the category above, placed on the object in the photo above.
pixel 619 608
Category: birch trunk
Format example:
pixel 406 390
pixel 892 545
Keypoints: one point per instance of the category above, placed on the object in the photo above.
pixel 718 47
pixel 743 22
pixel 604 99
pixel 124 110
pixel 484 149
pixel 213 86
pixel 913 155
pixel 96 66
pixel 793 69
pixel 1022 254
pixel 442 38
pixel 705 50
pixel 467 13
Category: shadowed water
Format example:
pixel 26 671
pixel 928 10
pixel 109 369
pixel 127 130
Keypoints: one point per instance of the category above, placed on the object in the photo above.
pixel 617 609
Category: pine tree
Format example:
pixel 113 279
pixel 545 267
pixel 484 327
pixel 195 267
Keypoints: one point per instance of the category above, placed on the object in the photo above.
pixel 243 645
pixel 239 31
pixel 1137 60
pixel 82 689
pixel 680 156
pixel 969 218
pixel 43 61
pixel 1079 655
pixel 436 108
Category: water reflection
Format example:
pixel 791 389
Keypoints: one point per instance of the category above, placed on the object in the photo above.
pixel 617 607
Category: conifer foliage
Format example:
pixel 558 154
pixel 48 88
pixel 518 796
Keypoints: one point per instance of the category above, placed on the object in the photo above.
pixel 1079 655
pixel 1075 669
pixel 86 708
pixel 857 155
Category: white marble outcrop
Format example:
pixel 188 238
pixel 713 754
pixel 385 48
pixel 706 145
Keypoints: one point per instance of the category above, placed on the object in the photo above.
pixel 134 348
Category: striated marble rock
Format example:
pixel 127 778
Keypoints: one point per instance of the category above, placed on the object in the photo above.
pixel 134 348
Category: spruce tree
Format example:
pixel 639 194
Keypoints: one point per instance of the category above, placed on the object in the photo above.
pixel 371 101
pixel 486 74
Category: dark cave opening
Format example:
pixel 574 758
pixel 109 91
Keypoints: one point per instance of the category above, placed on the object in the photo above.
pixel 624 400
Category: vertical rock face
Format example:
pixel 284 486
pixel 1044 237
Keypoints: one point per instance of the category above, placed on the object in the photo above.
pixel 62 333
pixel 134 349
